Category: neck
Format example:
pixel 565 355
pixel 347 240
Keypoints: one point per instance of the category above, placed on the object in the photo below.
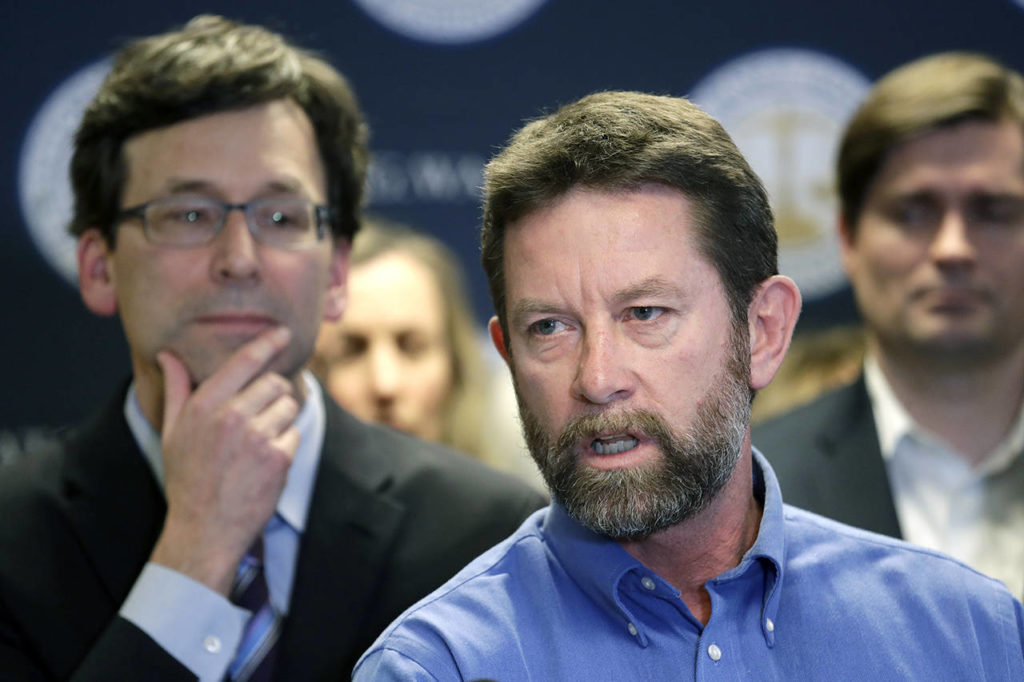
pixel 970 406
pixel 696 550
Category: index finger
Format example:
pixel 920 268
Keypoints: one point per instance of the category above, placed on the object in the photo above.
pixel 244 365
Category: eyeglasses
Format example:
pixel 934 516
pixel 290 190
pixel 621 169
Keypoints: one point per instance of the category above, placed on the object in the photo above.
pixel 279 222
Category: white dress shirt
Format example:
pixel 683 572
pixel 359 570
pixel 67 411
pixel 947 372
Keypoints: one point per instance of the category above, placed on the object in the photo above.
pixel 975 514
pixel 195 624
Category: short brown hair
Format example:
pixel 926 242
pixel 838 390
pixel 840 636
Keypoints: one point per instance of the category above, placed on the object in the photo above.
pixel 211 65
pixel 622 140
pixel 919 97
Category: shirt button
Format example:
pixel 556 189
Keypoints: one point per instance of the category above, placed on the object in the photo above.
pixel 648 583
pixel 714 652
pixel 632 629
pixel 212 644
pixel 769 625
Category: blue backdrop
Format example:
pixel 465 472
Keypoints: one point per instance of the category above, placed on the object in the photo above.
pixel 443 83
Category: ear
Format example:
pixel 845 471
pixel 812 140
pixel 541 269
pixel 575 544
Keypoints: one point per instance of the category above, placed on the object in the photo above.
pixel 96 273
pixel 498 338
pixel 337 285
pixel 847 251
pixel 771 318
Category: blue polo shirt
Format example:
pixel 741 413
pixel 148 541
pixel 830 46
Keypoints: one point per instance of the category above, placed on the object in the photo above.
pixel 811 600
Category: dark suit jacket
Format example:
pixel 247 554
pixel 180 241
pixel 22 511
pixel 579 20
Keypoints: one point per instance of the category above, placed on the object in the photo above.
pixel 827 459
pixel 391 518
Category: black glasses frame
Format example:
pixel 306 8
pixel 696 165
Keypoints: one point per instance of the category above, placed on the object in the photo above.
pixel 323 214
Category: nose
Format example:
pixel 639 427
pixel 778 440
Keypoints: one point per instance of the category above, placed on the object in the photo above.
pixel 952 246
pixel 602 375
pixel 235 250
pixel 385 372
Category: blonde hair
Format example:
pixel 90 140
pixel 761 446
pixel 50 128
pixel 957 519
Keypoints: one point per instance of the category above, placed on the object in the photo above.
pixel 464 406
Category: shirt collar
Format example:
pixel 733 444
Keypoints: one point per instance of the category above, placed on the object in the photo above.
pixel 891 421
pixel 601 566
pixel 1011 448
pixel 293 505
pixel 894 423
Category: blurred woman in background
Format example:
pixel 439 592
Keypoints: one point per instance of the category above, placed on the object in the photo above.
pixel 406 352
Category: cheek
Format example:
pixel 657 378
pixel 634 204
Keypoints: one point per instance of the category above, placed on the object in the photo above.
pixel 888 254
pixel 544 390
pixel 146 296
pixel 349 387
pixel 430 379
pixel 300 278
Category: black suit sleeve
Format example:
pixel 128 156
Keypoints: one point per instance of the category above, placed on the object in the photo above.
pixel 125 652
pixel 122 652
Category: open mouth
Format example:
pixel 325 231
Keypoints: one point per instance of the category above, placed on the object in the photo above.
pixel 614 444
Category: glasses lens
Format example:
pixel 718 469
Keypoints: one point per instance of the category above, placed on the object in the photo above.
pixel 181 221
pixel 283 222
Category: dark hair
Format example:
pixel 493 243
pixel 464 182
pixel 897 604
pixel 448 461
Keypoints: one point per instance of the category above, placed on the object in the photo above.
pixel 208 66
pixel 622 140
pixel 919 97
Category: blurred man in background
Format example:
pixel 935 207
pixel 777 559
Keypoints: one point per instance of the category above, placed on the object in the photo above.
pixel 927 444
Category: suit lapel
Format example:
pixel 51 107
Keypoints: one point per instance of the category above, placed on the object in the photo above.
pixel 856 487
pixel 111 499
pixel 349 534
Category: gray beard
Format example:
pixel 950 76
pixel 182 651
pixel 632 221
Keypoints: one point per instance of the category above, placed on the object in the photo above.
pixel 629 504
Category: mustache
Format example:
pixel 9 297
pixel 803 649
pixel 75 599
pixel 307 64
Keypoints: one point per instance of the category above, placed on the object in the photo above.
pixel 635 422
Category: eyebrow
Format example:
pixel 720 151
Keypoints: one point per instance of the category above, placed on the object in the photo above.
pixel 531 306
pixel 932 194
pixel 652 287
pixel 284 185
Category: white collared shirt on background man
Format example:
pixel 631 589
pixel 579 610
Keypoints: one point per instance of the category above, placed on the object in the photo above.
pixel 975 514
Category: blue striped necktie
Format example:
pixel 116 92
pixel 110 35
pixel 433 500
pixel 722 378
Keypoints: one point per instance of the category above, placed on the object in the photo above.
pixel 254 660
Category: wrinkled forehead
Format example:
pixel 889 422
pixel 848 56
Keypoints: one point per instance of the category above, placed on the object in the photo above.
pixel 605 245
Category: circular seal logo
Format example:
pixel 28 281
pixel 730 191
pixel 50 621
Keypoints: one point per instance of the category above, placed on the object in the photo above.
pixel 450 22
pixel 43 184
pixel 786 109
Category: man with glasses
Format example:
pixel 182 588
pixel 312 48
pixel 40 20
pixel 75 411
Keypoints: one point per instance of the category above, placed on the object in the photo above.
pixel 221 518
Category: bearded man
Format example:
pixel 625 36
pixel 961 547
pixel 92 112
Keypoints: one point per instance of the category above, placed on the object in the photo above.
pixel 632 262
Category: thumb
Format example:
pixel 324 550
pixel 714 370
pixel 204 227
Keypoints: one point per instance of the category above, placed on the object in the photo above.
pixel 177 387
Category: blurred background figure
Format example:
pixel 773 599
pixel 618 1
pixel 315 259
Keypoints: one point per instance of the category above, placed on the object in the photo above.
pixel 408 352
pixel 927 443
